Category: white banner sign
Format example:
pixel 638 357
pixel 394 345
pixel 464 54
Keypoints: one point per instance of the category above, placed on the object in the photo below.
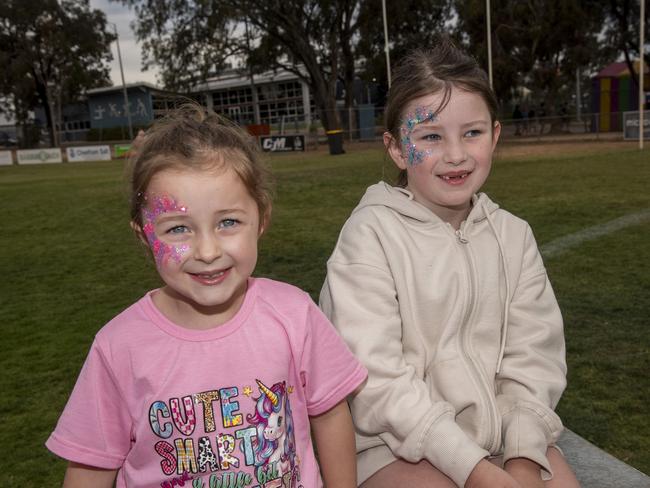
pixel 89 153
pixel 631 125
pixel 5 158
pixel 38 156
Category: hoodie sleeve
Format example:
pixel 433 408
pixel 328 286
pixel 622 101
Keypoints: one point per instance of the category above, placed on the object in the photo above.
pixel 533 371
pixel 359 296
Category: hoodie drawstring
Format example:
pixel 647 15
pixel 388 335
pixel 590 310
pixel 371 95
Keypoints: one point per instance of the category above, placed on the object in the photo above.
pixel 504 325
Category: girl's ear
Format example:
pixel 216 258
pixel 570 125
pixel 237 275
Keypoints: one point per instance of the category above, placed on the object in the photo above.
pixel 496 132
pixel 394 150
pixel 264 222
pixel 140 233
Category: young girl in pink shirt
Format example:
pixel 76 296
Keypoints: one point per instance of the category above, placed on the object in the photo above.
pixel 214 379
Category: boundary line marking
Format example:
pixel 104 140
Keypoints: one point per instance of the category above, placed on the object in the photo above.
pixel 564 243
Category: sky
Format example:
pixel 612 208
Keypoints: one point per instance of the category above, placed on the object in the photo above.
pixel 131 52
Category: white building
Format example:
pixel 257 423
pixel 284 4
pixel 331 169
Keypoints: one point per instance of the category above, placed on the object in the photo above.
pixel 270 98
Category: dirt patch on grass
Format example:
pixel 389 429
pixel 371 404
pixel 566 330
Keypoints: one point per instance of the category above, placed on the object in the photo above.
pixel 511 147
pixel 509 150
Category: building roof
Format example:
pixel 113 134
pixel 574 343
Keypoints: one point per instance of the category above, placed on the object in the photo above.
pixel 236 79
pixel 129 86
pixel 618 69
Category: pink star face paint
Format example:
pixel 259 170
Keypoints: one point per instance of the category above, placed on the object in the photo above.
pixel 156 206
pixel 413 155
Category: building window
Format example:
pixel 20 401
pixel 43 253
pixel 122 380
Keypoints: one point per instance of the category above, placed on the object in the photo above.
pixel 277 101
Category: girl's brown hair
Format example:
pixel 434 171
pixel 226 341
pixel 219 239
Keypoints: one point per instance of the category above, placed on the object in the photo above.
pixel 428 71
pixel 192 137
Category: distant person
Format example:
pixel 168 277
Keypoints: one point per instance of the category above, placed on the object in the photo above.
pixel 542 117
pixel 564 116
pixel 532 121
pixel 444 298
pixel 526 123
pixel 517 116
pixel 216 378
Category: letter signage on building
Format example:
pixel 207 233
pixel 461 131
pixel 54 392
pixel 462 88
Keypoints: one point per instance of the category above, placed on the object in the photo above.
pixel 294 142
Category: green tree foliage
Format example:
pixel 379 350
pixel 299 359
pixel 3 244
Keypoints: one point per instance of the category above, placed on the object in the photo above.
pixel 188 40
pixel 411 24
pixel 308 35
pixel 537 45
pixel 50 51
pixel 622 31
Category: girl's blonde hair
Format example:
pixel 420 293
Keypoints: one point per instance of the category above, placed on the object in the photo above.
pixel 429 71
pixel 191 137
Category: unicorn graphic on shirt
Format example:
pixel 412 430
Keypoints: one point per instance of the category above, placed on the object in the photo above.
pixel 274 443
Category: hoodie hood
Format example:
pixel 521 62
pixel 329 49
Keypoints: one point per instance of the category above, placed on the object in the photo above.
pixel 401 201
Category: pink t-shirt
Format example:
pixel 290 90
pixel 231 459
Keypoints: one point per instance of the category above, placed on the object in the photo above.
pixel 229 406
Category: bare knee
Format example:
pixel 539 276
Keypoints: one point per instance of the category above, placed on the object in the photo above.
pixel 563 475
pixel 413 475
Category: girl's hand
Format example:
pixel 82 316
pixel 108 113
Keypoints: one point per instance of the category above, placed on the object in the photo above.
pixel 487 475
pixel 526 472
pixel 82 476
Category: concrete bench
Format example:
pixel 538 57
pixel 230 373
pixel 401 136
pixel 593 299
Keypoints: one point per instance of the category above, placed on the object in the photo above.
pixel 597 469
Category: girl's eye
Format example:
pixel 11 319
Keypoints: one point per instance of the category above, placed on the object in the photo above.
pixel 431 137
pixel 473 133
pixel 228 223
pixel 179 229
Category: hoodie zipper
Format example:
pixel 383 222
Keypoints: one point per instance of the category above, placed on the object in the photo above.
pixel 484 392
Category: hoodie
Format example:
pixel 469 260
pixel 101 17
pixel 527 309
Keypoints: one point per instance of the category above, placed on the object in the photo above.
pixel 459 329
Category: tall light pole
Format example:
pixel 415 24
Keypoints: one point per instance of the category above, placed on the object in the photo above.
pixel 578 97
pixel 489 39
pixel 641 73
pixel 127 110
pixel 386 48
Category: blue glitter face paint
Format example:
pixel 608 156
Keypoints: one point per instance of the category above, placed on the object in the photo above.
pixel 411 120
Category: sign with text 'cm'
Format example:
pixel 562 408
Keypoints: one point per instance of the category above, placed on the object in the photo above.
pixel 295 142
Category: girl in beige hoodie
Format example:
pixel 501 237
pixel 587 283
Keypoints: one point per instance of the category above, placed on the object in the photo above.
pixel 444 298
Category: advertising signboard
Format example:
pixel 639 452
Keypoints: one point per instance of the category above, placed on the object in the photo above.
pixel 293 142
pixel 39 156
pixel 89 153
pixel 122 150
pixel 631 125
pixel 5 158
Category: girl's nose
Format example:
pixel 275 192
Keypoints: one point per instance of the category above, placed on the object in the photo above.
pixel 455 152
pixel 207 248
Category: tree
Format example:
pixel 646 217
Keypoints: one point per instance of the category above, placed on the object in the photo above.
pixel 195 39
pixel 308 36
pixel 411 24
pixel 622 28
pixel 537 45
pixel 52 51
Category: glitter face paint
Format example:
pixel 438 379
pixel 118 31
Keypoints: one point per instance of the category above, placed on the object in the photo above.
pixel 156 206
pixel 410 121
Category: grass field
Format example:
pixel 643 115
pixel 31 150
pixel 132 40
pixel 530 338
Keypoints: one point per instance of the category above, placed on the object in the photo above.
pixel 70 263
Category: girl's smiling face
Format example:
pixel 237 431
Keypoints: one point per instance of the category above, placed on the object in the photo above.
pixel 202 227
pixel 447 155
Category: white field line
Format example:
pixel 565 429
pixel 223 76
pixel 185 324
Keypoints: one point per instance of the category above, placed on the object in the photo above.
pixel 562 244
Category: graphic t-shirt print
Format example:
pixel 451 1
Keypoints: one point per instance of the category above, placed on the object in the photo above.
pixel 248 440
